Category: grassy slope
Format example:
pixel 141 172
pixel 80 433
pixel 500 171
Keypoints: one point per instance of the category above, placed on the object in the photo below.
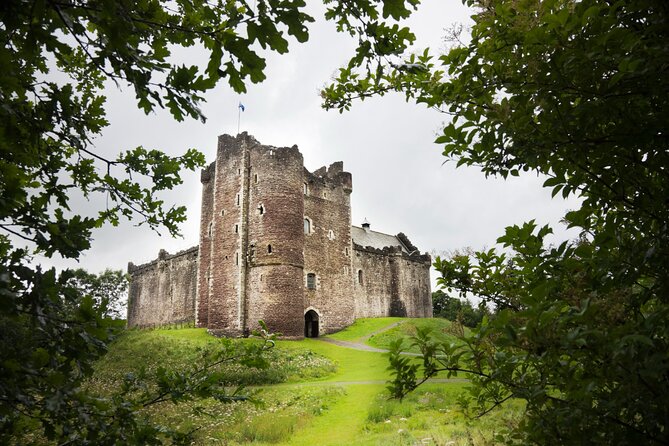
pixel 439 328
pixel 345 407
pixel 363 327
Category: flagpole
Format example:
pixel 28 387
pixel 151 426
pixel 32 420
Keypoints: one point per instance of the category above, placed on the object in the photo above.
pixel 239 117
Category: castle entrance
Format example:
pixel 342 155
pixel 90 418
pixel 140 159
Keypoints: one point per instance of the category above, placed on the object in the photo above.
pixel 311 324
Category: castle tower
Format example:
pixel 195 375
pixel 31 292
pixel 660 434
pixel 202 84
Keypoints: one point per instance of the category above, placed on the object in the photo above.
pixel 251 240
pixel 328 249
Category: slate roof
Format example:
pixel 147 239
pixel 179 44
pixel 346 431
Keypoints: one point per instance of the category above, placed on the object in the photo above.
pixel 377 240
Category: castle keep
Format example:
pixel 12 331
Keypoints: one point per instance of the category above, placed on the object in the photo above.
pixel 276 244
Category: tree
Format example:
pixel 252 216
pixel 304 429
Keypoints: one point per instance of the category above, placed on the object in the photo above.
pixel 57 57
pixel 455 309
pixel 575 91
pixel 109 290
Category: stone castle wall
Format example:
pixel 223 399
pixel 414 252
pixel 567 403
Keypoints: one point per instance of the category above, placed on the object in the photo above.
pixel 389 282
pixel 327 246
pixel 163 291
pixel 258 261
pixel 274 292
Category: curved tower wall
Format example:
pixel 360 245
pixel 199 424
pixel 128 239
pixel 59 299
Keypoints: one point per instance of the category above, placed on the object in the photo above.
pixel 273 281
pixel 251 239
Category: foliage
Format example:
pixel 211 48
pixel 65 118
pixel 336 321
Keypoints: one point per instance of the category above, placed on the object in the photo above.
pixel 575 91
pixel 108 289
pixel 455 309
pixel 441 329
pixel 57 58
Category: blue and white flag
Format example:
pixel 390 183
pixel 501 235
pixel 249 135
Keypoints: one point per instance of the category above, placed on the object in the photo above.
pixel 241 107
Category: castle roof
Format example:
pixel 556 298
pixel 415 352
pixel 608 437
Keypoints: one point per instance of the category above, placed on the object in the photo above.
pixel 377 240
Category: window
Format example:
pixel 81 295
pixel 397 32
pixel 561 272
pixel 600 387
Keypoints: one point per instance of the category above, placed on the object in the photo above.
pixel 237 199
pixel 261 209
pixel 307 226
pixel 222 212
pixel 269 249
pixel 311 281
pixel 211 225
pixel 306 189
pixel 325 194
pixel 346 252
pixel 236 258
pixel 331 234
pixel 255 178
pixel 360 276
pixel 236 229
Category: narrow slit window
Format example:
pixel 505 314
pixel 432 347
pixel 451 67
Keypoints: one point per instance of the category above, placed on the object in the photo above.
pixel 306 189
pixel 360 276
pixel 255 178
pixel 261 209
pixel 236 229
pixel 307 226
pixel 237 258
pixel 211 226
pixel 269 249
pixel 311 281
pixel 237 199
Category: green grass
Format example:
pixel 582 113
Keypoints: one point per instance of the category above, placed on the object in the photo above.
pixel 364 327
pixel 440 330
pixel 342 401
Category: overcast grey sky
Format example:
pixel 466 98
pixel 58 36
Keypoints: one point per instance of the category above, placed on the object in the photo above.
pixel 400 183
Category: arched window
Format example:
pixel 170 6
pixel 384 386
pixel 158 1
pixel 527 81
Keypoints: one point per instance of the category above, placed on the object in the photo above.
pixel 360 276
pixel 306 189
pixel 311 281
pixel 269 249
pixel 307 226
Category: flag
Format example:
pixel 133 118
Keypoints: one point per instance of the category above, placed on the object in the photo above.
pixel 241 106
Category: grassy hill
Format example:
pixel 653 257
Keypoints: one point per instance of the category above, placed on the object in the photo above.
pixel 314 393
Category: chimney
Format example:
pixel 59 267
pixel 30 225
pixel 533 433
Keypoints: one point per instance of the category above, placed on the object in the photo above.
pixel 365 225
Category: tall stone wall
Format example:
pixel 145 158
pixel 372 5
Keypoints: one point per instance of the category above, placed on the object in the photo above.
pixel 163 291
pixel 274 254
pixel 327 246
pixel 251 239
pixel 390 282
pixel 414 296
pixel 206 232
pixel 222 237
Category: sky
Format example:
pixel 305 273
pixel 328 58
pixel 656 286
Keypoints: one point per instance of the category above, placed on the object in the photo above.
pixel 400 181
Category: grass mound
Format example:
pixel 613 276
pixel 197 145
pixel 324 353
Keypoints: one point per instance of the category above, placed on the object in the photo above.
pixel 364 327
pixel 178 349
pixel 441 329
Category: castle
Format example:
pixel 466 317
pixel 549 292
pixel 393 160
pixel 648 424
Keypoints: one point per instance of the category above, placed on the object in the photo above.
pixel 277 244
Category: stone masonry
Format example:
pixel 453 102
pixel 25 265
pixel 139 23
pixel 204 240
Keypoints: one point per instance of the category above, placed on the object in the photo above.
pixel 276 244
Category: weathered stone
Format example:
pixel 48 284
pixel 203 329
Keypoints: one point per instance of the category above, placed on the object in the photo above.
pixel 276 244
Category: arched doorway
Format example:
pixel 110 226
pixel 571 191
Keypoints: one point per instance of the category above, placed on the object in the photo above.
pixel 311 324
